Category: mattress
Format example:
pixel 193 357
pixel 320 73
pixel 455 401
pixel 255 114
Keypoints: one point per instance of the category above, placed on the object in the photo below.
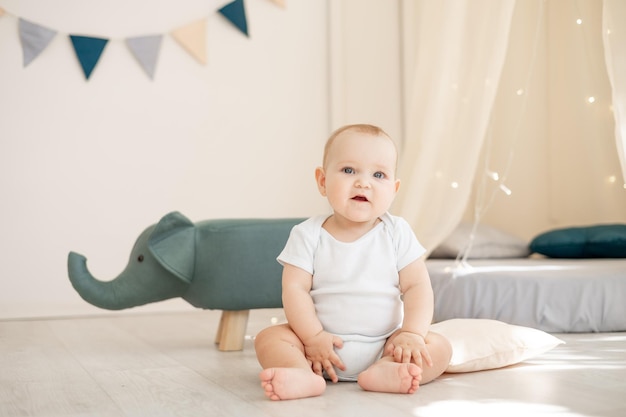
pixel 554 295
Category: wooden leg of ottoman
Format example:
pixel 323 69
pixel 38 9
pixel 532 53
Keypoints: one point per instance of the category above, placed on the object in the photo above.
pixel 232 330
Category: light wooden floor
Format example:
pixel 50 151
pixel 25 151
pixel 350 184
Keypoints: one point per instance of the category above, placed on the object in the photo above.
pixel 167 365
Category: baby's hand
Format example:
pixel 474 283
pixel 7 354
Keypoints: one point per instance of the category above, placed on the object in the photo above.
pixel 319 351
pixel 406 347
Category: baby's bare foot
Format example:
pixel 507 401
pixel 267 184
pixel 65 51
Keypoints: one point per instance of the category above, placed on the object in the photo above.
pixel 402 378
pixel 291 383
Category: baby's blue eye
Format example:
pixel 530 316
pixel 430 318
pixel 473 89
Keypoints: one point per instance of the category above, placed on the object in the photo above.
pixel 379 175
pixel 348 170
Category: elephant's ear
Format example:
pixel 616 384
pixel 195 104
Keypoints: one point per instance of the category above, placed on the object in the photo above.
pixel 172 243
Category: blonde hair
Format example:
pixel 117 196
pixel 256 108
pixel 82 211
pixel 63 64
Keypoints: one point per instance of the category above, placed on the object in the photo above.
pixel 361 128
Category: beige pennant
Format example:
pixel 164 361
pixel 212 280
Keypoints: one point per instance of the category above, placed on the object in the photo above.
pixel 281 3
pixel 192 37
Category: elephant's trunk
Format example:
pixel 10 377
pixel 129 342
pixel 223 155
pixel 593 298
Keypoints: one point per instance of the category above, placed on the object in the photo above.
pixel 127 290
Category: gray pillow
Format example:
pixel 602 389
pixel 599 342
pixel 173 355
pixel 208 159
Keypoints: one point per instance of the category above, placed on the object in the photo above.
pixel 489 242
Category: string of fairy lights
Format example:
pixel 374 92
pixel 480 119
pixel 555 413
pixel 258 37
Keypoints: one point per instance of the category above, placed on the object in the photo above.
pixel 493 182
pixel 485 197
pixel 593 64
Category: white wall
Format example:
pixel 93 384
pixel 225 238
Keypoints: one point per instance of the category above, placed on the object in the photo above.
pixel 86 165
pixel 366 56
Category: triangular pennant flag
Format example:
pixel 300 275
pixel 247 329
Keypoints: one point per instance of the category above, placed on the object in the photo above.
pixel 88 51
pixel 146 50
pixel 236 13
pixel 34 39
pixel 193 38
pixel 281 3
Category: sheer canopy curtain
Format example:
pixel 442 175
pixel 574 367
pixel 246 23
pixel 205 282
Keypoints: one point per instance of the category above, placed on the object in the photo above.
pixel 614 37
pixel 460 47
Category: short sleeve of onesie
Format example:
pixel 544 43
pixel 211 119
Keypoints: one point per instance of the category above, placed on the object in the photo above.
pixel 408 249
pixel 302 243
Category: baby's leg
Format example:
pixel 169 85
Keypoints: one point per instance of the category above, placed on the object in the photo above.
pixel 286 372
pixel 440 352
pixel 389 376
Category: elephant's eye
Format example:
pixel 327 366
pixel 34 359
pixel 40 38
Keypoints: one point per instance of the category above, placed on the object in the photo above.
pixel 140 258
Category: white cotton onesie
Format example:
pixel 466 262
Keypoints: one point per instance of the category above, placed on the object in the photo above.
pixel 355 284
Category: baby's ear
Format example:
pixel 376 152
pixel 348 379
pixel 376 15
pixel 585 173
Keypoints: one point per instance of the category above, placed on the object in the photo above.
pixel 320 179
pixel 397 185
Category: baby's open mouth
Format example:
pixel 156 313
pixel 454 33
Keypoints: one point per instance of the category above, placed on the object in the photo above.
pixel 359 198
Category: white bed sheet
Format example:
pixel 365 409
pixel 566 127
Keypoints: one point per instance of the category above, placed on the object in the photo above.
pixel 554 295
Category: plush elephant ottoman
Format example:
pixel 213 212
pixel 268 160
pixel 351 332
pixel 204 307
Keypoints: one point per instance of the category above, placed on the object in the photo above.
pixel 227 265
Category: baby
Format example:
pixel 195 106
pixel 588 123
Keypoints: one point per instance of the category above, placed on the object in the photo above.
pixel 356 293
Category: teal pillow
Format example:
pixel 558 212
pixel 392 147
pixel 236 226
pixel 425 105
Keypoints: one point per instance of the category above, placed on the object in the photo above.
pixel 598 241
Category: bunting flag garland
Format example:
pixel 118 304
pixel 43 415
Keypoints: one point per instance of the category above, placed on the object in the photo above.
pixel 193 38
pixel 146 50
pixel 34 39
pixel 88 51
pixel 236 13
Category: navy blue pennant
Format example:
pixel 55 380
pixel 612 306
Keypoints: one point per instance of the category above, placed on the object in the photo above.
pixel 236 14
pixel 88 51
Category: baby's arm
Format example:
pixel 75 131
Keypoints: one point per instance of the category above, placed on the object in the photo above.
pixel 302 318
pixel 417 293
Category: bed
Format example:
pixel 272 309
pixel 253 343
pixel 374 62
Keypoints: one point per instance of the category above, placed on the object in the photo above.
pixel 553 295
pixel 573 291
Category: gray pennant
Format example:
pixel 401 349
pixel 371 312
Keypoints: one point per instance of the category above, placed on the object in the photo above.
pixel 146 50
pixel 34 38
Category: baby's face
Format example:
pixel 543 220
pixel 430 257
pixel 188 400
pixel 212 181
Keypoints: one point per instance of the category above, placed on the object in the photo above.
pixel 359 177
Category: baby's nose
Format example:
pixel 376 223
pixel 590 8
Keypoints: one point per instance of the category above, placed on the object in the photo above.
pixel 362 183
